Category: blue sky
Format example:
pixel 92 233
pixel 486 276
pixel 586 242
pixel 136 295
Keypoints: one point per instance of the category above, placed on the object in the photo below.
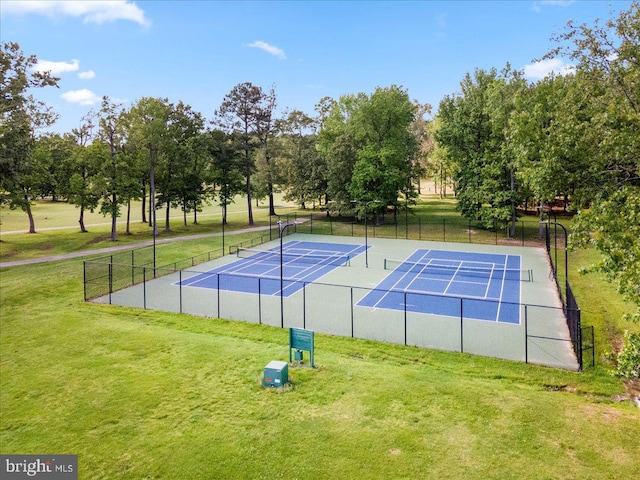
pixel 198 51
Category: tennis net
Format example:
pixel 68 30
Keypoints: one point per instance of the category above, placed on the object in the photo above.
pixel 273 256
pixel 460 271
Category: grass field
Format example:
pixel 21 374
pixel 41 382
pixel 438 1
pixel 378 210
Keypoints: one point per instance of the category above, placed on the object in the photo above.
pixel 142 394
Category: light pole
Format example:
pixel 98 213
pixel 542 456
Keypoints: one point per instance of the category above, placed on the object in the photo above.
pixel 282 227
pixel 366 236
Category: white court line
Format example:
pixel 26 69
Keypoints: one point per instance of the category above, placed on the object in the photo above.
pixel 402 278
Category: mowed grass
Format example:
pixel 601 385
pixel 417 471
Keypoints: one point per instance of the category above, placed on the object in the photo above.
pixel 141 394
pixel 62 233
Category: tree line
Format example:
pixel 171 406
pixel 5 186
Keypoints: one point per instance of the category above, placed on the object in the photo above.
pixel 499 143
pixel 169 156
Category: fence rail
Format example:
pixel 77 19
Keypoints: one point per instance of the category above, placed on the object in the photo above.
pixel 110 275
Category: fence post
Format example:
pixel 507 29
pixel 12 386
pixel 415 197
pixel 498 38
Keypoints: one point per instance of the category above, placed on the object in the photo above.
pixel 351 288
pixel 110 278
pixel 180 284
pixel 218 293
pixel 84 278
pixel 259 301
pixel 133 281
pixel 144 287
pixel 461 326
pixel 579 339
pixel 405 318
pixel 304 305
pixel 526 335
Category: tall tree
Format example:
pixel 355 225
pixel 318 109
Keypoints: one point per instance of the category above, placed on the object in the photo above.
pixel 148 123
pixel 240 114
pixel 473 130
pixel 338 145
pixel 81 186
pixel 187 185
pixel 303 170
pixel 114 172
pixel 385 164
pixel 21 115
pixel 607 62
pixel 225 170
pixel 265 131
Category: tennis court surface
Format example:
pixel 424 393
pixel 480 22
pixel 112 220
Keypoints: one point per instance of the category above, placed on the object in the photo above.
pixel 301 261
pixel 491 279
pixel 481 299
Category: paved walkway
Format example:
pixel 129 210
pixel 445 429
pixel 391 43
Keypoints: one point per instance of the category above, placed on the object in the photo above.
pixel 129 246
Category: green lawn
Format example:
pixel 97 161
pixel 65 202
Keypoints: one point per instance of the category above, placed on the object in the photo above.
pixel 142 394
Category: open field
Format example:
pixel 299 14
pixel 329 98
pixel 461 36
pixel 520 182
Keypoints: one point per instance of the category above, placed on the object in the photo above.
pixel 143 394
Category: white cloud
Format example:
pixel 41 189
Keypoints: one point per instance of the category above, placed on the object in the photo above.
pixel 99 11
pixel 88 75
pixel 554 3
pixel 57 67
pixel 543 68
pixel 81 97
pixel 273 50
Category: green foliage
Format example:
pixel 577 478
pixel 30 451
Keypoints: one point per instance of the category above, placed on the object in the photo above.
pixel 473 131
pixel 628 360
pixel 613 227
pixel 370 148
pixel 21 171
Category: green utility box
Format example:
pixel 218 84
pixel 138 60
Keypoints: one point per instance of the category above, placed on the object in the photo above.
pixel 276 374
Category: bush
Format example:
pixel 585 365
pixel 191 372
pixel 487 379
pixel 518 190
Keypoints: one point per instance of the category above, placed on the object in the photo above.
pixel 628 360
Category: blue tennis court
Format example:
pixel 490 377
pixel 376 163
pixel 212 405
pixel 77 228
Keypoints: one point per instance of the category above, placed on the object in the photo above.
pixel 258 271
pixel 435 281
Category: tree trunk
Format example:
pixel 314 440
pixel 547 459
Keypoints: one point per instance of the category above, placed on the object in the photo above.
pixel 128 230
pixel 144 204
pixel 114 218
pixel 272 208
pixel 184 212
pixel 167 227
pixel 152 191
pixel 81 220
pixel 249 206
pixel 32 223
